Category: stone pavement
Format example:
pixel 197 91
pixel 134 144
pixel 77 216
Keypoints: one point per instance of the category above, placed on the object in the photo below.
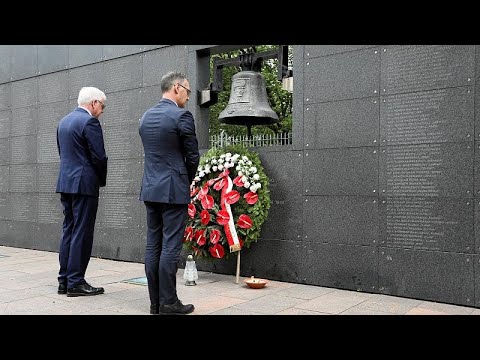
pixel 28 286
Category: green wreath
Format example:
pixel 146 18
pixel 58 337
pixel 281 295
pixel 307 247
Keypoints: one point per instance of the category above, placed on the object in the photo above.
pixel 229 203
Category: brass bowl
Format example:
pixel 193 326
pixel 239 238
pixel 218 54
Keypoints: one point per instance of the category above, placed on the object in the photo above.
pixel 255 283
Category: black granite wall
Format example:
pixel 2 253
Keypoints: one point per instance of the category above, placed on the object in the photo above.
pixel 378 192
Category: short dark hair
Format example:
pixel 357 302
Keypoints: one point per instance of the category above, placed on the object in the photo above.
pixel 170 79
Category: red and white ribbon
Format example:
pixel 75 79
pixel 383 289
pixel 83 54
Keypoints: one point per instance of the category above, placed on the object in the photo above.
pixel 229 227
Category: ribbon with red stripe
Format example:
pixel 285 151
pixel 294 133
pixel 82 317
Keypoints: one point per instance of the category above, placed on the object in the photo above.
pixel 229 227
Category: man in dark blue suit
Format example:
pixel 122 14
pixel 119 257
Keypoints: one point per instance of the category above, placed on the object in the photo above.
pixel 83 170
pixel 171 160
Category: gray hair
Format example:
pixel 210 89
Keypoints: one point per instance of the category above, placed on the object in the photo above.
pixel 170 79
pixel 89 93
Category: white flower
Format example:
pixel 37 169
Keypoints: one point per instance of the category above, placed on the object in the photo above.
pixel 253 169
pixel 213 161
pixel 256 177
pixel 201 174
pixel 247 184
pixel 196 179
pixel 207 169
pixel 214 168
pixel 220 167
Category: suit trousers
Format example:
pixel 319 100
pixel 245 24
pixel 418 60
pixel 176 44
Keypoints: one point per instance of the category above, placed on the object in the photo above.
pixel 166 226
pixel 80 212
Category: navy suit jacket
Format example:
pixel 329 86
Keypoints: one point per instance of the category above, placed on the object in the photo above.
pixel 171 153
pixel 83 161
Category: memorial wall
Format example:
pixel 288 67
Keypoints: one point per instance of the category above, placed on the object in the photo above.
pixel 377 193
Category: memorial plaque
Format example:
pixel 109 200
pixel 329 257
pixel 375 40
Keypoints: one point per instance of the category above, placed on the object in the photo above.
pixel 52 58
pixel 121 244
pixel 347 267
pixel 429 275
pixel 427 170
pixel 5 123
pixel 421 67
pixel 50 209
pixel 344 76
pixel 477 108
pixel 284 170
pixel 79 55
pixel 124 176
pixel 284 221
pixel 312 51
pixel 24 93
pixel 348 171
pixel 157 63
pixel 23 178
pixel 115 51
pixel 435 116
pixel 123 108
pixel 5 95
pixel 426 223
pixel 275 260
pixel 47 150
pixel 3 230
pixel 53 87
pixel 47 177
pixel 21 234
pixel 6 233
pixel 4 177
pixel 350 220
pixel 49 115
pixel 5 151
pixel 47 236
pixel 23 206
pixel 150 96
pixel 348 123
pixel 120 211
pixel 477 280
pixel 123 142
pixel 124 73
pixel 5 65
pixel 24 61
pixel 23 149
pixel 477 226
pixel 24 121
pixel 5 206
pixel 477 169
pixel 91 75
pixel 298 107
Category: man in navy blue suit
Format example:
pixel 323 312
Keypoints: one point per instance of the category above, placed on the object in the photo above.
pixel 83 170
pixel 171 160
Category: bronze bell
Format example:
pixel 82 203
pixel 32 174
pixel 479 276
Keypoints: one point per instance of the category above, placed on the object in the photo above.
pixel 248 104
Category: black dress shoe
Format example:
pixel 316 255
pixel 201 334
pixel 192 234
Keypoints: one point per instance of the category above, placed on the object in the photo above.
pixel 154 309
pixel 176 308
pixel 85 289
pixel 62 288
